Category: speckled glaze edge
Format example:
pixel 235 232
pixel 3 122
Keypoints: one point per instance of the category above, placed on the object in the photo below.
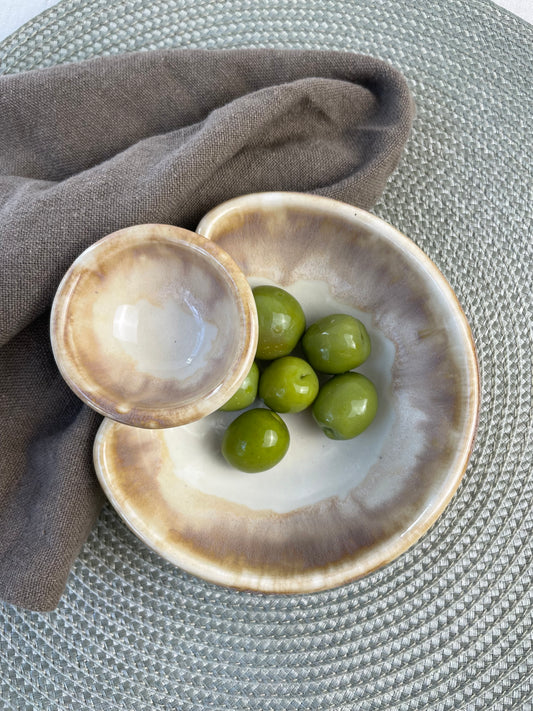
pixel 391 550
pixel 347 570
pixel 160 417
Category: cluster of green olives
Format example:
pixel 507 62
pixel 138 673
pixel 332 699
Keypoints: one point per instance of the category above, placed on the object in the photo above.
pixel 343 406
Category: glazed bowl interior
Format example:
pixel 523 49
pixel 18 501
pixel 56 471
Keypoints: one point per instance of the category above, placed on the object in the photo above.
pixel 154 326
pixel 331 511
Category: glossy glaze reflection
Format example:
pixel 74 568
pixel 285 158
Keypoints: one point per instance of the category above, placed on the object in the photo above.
pixel 333 511
pixel 153 326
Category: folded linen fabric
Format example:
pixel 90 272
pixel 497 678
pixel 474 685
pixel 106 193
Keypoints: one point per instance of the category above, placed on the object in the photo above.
pixel 160 136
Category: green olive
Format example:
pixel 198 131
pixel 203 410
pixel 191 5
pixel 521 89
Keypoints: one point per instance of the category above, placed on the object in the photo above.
pixel 288 384
pixel 256 440
pixel 281 321
pixel 345 405
pixel 336 343
pixel 246 394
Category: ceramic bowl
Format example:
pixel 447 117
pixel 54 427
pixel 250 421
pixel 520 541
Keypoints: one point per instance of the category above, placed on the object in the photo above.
pixel 331 511
pixel 154 326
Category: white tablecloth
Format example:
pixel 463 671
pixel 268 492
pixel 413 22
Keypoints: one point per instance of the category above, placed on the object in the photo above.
pixel 14 13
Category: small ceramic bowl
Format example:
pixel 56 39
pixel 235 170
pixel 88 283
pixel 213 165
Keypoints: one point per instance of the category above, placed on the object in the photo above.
pixel 331 511
pixel 154 326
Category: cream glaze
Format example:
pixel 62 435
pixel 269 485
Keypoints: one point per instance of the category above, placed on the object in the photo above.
pixel 311 535
pixel 154 326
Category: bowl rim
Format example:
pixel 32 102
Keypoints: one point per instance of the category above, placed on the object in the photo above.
pixel 357 215
pixel 166 416
pixel 348 571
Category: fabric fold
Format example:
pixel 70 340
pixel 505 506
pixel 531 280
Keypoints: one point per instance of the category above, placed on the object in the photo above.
pixel 162 136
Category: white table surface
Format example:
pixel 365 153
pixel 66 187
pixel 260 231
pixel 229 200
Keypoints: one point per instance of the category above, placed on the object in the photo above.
pixel 15 13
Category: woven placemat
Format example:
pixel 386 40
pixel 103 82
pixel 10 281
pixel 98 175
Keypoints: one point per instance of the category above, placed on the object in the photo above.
pixel 447 625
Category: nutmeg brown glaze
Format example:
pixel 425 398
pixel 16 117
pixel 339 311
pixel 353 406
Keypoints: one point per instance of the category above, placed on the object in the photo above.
pixel 331 511
pixel 154 326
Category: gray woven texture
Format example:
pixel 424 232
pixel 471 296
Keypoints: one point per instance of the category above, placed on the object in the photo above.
pixel 447 625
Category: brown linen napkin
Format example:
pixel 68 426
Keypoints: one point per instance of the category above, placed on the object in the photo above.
pixel 164 136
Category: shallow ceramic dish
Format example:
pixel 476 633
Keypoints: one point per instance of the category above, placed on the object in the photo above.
pixel 154 326
pixel 330 511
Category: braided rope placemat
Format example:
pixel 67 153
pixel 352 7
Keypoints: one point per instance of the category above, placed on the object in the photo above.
pixel 447 625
